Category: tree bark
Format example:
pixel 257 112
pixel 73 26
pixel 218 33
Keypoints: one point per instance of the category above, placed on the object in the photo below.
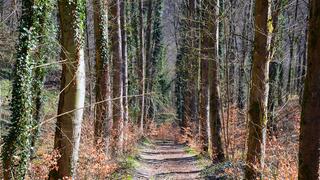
pixel 123 4
pixel 310 116
pixel 259 90
pixel 157 51
pixel 103 116
pixel 204 97
pixel 142 65
pixel 291 59
pixel 148 58
pixel 26 91
pixel 88 59
pixel 116 51
pixel 274 68
pixel 210 51
pixel 71 100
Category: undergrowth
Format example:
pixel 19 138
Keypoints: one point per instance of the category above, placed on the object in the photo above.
pixel 281 158
pixel 282 145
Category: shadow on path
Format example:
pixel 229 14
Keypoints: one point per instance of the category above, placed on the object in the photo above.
pixel 165 159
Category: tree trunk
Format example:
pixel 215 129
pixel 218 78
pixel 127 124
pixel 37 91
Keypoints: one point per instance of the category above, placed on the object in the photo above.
pixel 116 51
pixel 157 52
pixel 310 116
pixel 148 58
pixel 303 68
pixel 142 65
pixel 259 90
pixel 39 71
pixel 181 70
pixel 274 68
pixel 189 68
pixel 210 52
pixel 103 108
pixel 272 102
pixel 280 85
pixel 71 100
pixel 289 85
pixel 26 91
pixel 203 97
pixel 123 4
pixel 242 67
pixel 88 59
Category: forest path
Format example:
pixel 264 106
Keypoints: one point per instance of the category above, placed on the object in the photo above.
pixel 165 159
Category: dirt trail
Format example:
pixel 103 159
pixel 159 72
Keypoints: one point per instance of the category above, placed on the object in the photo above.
pixel 167 160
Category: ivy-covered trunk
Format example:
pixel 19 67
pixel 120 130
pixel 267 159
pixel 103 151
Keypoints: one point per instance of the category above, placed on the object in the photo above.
pixel 148 51
pixel 116 52
pixel 103 108
pixel 186 79
pixel 26 93
pixel 180 84
pixel 72 96
pixel 157 55
pixel 259 90
pixel 310 116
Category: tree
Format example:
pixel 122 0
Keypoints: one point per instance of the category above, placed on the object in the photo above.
pixel 72 96
pixel 117 88
pixel 180 75
pixel 259 90
pixel 274 79
pixel 186 66
pixel 142 66
pixel 103 111
pixel 310 116
pixel 210 52
pixel 148 56
pixel 26 94
pixel 154 61
pixel 243 87
pixel 190 65
pixel 203 97
pixel 123 5
pixel 90 68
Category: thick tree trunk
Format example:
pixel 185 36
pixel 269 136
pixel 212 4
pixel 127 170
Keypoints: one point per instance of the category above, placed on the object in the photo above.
pixel 26 93
pixel 103 110
pixel 71 100
pixel 259 90
pixel 204 87
pixel 116 51
pixel 204 98
pixel 310 118
pixel 210 52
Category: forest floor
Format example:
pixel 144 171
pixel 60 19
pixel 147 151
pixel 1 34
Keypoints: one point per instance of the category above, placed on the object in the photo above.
pixel 166 159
